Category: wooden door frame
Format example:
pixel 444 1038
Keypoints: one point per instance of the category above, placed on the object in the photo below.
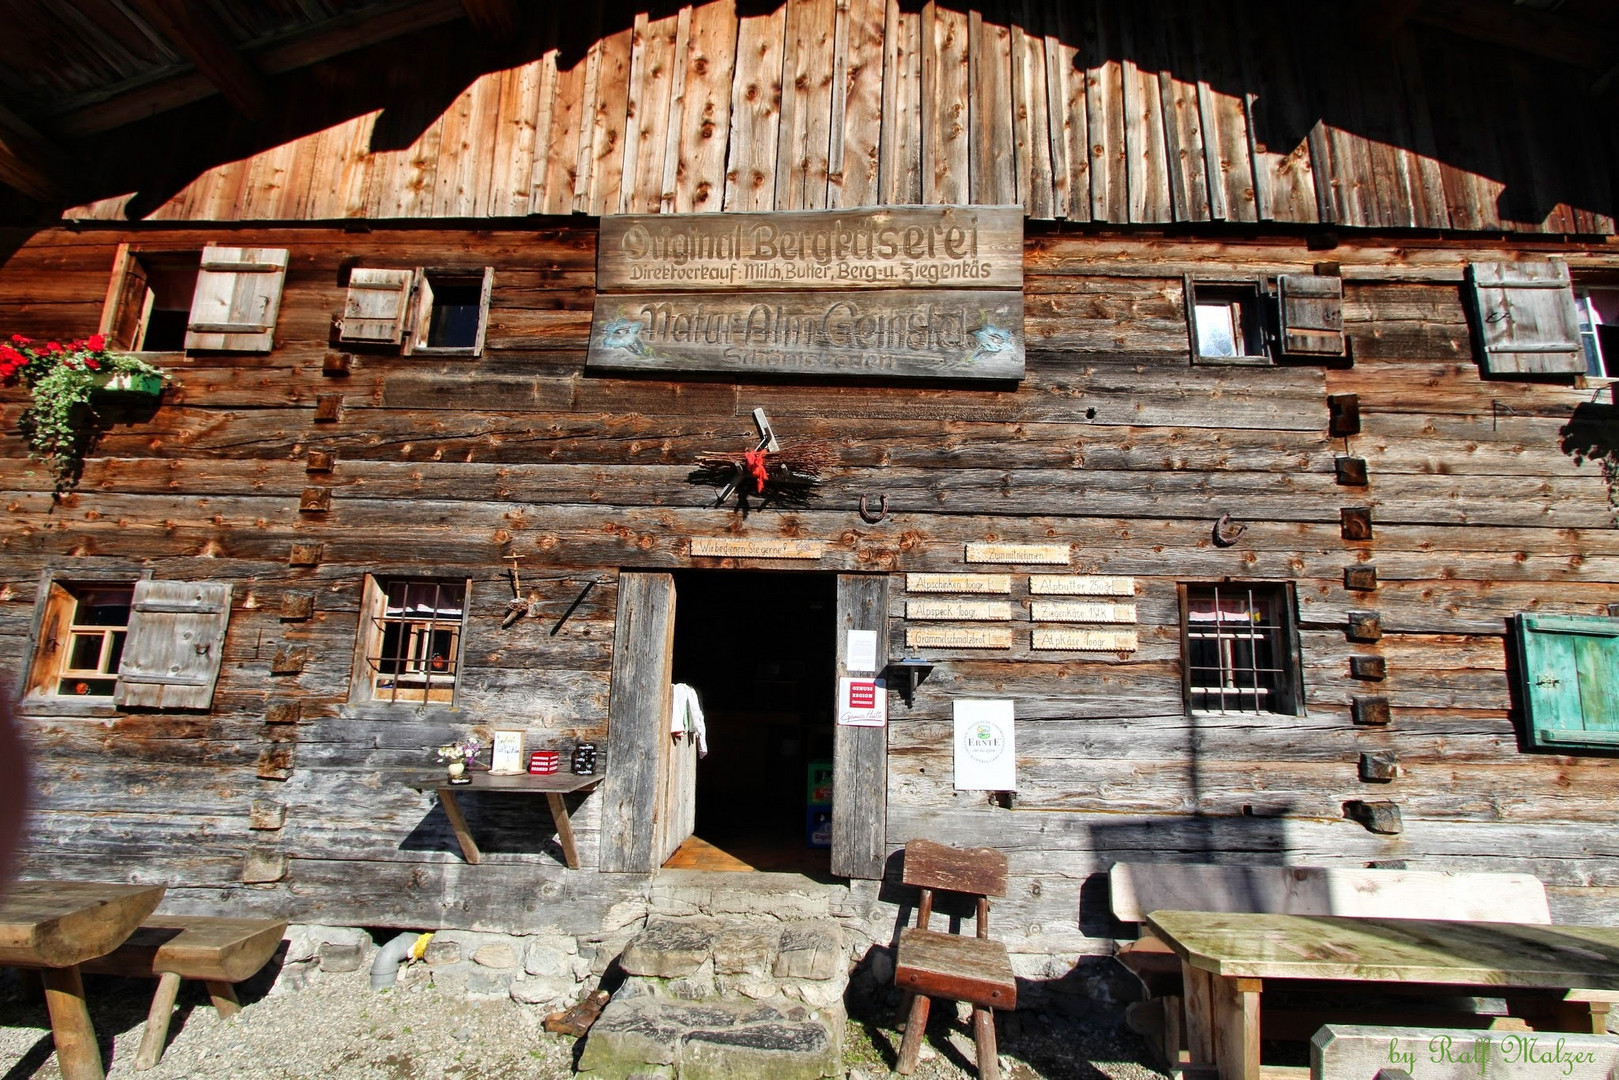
pixel 637 727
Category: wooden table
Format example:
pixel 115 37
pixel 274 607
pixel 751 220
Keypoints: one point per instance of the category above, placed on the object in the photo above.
pixel 57 925
pixel 553 787
pixel 1225 959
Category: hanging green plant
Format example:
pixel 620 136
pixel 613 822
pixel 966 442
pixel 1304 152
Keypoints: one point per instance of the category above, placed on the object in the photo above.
pixel 62 424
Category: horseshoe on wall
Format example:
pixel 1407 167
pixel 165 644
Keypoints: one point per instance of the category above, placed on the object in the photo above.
pixel 870 518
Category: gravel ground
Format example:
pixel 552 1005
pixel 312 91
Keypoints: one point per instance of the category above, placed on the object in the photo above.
pixel 337 1027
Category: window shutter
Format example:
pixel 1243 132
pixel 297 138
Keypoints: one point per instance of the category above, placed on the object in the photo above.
pixel 423 315
pixel 1570 673
pixel 238 296
pixel 1526 317
pixel 176 640
pixel 378 301
pixel 1312 309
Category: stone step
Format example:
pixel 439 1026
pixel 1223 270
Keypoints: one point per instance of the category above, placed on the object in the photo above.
pixel 707 997
pixel 643 1036
pixel 699 958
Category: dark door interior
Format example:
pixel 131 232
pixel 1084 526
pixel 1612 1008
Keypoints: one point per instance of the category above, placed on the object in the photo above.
pixel 759 649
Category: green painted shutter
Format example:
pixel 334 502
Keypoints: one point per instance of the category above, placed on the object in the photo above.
pixel 1570 676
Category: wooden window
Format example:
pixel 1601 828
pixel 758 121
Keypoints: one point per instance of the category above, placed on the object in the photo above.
pixel 451 312
pixel 1226 323
pixel 237 299
pixel 1569 680
pixel 409 645
pixel 377 306
pixel 1526 318
pixel 149 298
pixel 1240 648
pixel 1597 311
pixel 1310 310
pixel 141 643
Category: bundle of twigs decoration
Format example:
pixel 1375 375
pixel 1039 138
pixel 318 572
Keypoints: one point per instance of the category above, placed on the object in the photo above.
pixel 783 476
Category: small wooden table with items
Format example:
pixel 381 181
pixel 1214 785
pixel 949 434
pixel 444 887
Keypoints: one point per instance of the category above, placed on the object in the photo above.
pixel 1225 959
pixel 55 926
pixel 553 787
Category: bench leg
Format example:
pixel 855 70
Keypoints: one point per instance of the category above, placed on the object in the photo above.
pixel 77 1054
pixel 223 995
pixel 989 1065
pixel 156 1034
pixel 916 1025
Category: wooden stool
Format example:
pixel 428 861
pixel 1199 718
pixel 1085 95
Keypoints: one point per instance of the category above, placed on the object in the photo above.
pixel 972 969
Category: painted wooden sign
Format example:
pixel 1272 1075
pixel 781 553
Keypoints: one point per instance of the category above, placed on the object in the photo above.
pixel 911 333
pixel 959 610
pixel 1080 585
pixel 1081 611
pixel 906 247
pixel 1085 640
pixel 733 547
pixel 959 583
pixel 909 292
pixel 1017 553
pixel 958 637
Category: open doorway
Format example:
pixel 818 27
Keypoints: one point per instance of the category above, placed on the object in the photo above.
pixel 759 648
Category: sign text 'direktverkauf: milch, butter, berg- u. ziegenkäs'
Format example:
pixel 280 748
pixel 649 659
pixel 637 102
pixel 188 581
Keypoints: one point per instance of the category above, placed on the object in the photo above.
pixel 944 246
pixel 908 292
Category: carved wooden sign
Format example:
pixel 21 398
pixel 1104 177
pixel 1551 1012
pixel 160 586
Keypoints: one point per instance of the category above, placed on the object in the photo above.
pixel 735 547
pixel 1085 640
pixel 1081 611
pixel 958 637
pixel 959 583
pixel 1080 585
pixel 922 292
pixel 950 246
pixel 1016 553
pixel 959 610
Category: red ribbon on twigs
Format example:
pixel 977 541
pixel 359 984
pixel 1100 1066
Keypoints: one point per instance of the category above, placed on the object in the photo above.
pixel 754 461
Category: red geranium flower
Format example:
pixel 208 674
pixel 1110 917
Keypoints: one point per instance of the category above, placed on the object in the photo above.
pixel 97 342
pixel 92 364
pixel 20 340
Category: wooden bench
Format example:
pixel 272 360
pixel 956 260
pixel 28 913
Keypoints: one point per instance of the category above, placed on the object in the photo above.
pixel 218 952
pixel 972 969
pixel 1349 892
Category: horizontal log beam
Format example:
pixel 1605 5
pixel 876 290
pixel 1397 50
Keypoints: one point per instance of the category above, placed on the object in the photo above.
pixel 192 31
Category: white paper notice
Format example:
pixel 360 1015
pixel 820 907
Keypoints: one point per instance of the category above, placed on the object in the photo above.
pixel 986 750
pixel 862 702
pixel 862 651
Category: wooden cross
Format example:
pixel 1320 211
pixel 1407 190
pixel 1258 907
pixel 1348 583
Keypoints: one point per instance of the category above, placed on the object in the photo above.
pixel 516 607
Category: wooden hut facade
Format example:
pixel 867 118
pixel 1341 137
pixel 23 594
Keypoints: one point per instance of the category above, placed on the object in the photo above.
pixel 1330 583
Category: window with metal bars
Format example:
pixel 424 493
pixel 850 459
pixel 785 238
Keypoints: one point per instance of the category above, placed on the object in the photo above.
pixel 1240 648
pixel 411 641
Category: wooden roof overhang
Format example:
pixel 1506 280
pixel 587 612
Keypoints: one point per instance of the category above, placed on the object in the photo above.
pixel 87 84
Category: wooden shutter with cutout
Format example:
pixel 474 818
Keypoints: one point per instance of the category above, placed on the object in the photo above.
pixel 377 305
pixel 1570 666
pixel 237 299
pixel 176 640
pixel 1526 317
pixel 1312 314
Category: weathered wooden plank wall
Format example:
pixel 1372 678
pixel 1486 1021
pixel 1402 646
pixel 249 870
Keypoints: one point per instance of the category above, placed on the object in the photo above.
pixel 1114 445
pixel 1103 111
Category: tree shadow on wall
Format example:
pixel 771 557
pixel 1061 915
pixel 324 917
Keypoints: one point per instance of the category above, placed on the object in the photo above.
pixel 1592 435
